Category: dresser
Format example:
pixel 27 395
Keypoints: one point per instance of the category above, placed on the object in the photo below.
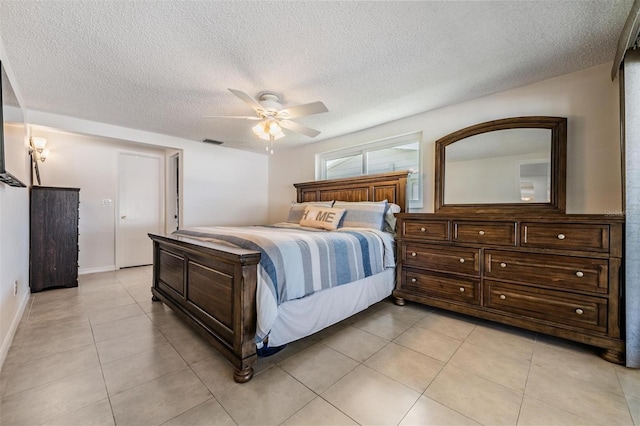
pixel 557 274
pixel 53 242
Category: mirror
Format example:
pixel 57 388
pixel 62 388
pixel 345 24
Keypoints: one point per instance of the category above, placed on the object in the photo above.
pixel 505 166
pixel 510 165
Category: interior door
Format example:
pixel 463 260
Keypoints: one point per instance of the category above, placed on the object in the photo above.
pixel 140 207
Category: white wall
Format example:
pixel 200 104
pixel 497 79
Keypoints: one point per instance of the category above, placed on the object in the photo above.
pixel 14 231
pixel 488 180
pixel 588 98
pixel 91 164
pixel 14 248
pixel 213 180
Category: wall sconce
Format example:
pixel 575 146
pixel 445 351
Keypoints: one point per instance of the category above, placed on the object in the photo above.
pixel 38 152
pixel 38 149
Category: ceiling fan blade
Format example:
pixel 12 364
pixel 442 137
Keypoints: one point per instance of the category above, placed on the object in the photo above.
pixel 255 105
pixel 298 128
pixel 302 110
pixel 243 117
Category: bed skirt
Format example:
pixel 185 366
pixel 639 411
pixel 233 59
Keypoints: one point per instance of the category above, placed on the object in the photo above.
pixel 302 317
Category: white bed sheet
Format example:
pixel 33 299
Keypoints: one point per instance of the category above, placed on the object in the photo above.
pixel 302 317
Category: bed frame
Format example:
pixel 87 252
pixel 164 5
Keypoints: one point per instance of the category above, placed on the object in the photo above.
pixel 213 286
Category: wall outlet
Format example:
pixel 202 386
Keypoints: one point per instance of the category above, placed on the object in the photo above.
pixel 15 287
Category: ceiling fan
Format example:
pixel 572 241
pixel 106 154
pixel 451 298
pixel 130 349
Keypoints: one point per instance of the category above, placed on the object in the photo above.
pixel 274 117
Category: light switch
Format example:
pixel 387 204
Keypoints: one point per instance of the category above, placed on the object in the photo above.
pixel 106 202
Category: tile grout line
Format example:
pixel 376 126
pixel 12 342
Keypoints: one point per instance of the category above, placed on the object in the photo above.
pixel 75 374
pixel 524 392
pixel 359 364
pixel 542 343
pixel 626 397
pixel 318 395
pixel 538 345
pixel 438 375
pixel 192 370
pixel 155 326
pixel 104 381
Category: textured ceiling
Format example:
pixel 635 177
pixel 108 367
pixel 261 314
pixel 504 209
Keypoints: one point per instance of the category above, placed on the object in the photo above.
pixel 161 65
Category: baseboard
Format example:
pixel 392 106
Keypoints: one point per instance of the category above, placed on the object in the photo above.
pixel 84 271
pixel 6 345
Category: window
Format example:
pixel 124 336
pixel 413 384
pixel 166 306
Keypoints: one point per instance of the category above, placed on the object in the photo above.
pixel 387 155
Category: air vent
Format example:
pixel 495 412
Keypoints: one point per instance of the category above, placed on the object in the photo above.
pixel 212 141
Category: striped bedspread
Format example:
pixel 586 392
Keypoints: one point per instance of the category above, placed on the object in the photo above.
pixel 297 261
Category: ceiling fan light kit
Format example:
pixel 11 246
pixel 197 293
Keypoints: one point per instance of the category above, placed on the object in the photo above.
pixel 267 129
pixel 273 117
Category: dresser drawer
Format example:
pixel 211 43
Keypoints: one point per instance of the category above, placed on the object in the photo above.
pixel 437 230
pixel 440 286
pixel 568 236
pixel 492 233
pixel 459 260
pixel 561 308
pixel 562 272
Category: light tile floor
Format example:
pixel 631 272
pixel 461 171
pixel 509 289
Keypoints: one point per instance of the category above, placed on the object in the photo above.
pixel 104 354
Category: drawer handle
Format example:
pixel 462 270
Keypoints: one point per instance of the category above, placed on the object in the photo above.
pixel 414 254
pixel 462 260
pixel 579 274
pixel 579 311
pixel 561 236
pixel 502 297
pixel 413 280
pixel 481 232
pixel 462 289
pixel 423 229
pixel 503 265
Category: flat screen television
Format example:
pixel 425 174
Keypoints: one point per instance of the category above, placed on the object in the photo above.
pixel 9 99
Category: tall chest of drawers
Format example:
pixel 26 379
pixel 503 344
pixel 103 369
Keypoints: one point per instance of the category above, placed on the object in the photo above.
pixel 53 246
pixel 559 274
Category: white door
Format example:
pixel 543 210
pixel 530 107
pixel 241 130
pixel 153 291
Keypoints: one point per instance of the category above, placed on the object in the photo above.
pixel 140 208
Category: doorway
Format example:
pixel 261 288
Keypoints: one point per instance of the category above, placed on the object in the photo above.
pixel 140 207
pixel 173 193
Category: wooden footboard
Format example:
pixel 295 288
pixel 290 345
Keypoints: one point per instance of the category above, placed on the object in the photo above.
pixel 213 287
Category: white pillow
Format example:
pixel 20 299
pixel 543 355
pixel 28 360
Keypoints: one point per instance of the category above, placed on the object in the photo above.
pixel 322 217
pixel 297 209
pixel 390 218
pixel 394 208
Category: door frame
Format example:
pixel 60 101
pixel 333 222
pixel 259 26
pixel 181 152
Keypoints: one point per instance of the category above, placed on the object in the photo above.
pixel 174 194
pixel 161 190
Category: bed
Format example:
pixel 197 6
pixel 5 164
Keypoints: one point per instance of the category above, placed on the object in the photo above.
pixel 217 284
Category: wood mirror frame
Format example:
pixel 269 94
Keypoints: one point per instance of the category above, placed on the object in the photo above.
pixel 558 159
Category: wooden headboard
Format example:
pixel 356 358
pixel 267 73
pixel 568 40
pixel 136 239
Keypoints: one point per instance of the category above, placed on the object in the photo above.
pixel 386 186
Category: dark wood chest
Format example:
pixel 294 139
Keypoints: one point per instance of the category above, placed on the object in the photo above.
pixel 53 246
